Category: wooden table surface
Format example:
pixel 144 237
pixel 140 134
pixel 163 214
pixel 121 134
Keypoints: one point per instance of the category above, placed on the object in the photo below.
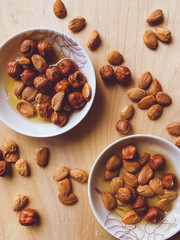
pixel 121 25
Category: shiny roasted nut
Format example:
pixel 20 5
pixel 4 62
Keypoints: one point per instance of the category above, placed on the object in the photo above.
pixel 68 200
pixel 24 61
pixel 77 80
pixel 109 175
pixel 153 215
pixel 169 194
pixel 42 98
pixel 114 162
pixel 64 187
pixel 57 101
pixel 28 48
pixel 154 88
pixel 22 167
pixel 169 181
pixel 164 204
pixel 129 152
pixel 126 195
pixel 28 217
pixel 157 186
pixel 144 80
pixel 53 74
pixel 107 73
pixel 115 184
pixel 163 98
pixel 28 77
pixel 19 202
pixel 4 168
pixel 26 109
pixel 60 173
pixel 109 201
pixel 78 175
pixel 123 74
pixel 145 175
pixel 62 85
pixel 11 156
pixel 140 206
pixel 123 126
pixel 45 110
pixel 76 100
pixel 145 191
pixel 131 217
pixel 143 158
pixel 14 69
pixel 67 67
pixel 42 84
pixel 130 179
pixel 157 162
pixel 45 49
pixel 86 91
pixel 131 166
pixel 9 145
pixel 42 156
pixel 29 94
pixel 146 102
pixel 60 119
pixel 18 88
pixel 66 107
pixel 39 63
pixel 127 111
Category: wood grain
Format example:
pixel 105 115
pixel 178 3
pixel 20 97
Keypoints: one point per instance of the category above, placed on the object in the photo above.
pixel 121 25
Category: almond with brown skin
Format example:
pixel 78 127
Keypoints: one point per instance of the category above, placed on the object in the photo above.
pixel 146 102
pixel 76 24
pixel 164 204
pixel 59 9
pixel 41 156
pixel 163 34
pixel 145 175
pixel 109 201
pixel 169 194
pixel 174 128
pixel 60 173
pixel 154 112
pixel 68 200
pixel 145 191
pixel 163 98
pixel 130 179
pixel 136 94
pixel 131 166
pixel 131 217
pixel 18 88
pixel 109 175
pixel 78 175
pixel 143 158
pixel 115 184
pixel 26 109
pixel 150 39
pixel 9 145
pixel 114 162
pixel 64 187
pixel 19 202
pixel 127 111
pixel 93 39
pixel 144 80
pixel 155 87
pixel 155 17
pixel 156 185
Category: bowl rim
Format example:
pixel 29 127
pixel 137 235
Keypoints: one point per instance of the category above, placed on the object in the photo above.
pixel 93 73
pixel 100 155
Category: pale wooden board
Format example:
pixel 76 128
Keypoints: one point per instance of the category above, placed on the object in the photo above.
pixel 121 25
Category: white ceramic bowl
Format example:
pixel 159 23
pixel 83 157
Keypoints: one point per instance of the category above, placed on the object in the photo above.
pixel 111 221
pixel 62 43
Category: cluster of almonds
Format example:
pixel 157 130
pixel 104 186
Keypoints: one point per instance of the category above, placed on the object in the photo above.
pixel 138 188
pixel 62 175
pixel 58 90
pixel 163 34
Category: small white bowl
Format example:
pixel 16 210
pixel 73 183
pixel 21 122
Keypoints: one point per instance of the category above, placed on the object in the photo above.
pixel 111 221
pixel 63 44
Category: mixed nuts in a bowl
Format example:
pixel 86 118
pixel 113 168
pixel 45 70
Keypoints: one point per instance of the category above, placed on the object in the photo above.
pixel 46 77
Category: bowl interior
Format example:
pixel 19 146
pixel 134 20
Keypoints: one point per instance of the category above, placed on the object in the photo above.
pixel 111 221
pixel 63 45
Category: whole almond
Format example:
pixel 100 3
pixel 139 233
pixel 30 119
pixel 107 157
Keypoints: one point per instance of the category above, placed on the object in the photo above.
pixel 131 217
pixel 115 184
pixel 109 200
pixel 130 179
pixel 146 102
pixel 9 145
pixel 64 186
pixel 19 202
pixel 131 166
pixel 150 39
pixel 155 17
pixel 169 194
pixel 29 94
pixel 163 98
pixel 163 34
pixel 113 163
pixel 136 94
pixel 11 156
pixel 145 191
pixel 114 57
pixel 177 143
pixel 59 9
pixel 86 91
pixel 22 167
pixel 78 175
pixel 76 24
pixel 24 61
pixel 68 200
pixel 145 175
pixel 60 173
pixel 154 88
pixel 41 156
pixel 143 158
pixel 144 80
pixel 57 101
pixel 18 88
pixel 154 112
pixel 26 109
pixel 109 175
pixel 127 111
pixel 39 63
pixel 164 204
pixel 156 185
pixel 93 39
pixel 42 98
pixel 174 128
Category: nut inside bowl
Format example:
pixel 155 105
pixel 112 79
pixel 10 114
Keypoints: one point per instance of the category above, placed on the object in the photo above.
pixel 64 47
pixel 111 220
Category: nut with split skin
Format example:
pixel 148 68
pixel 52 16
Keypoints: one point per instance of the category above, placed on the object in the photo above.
pixel 123 74
pixel 67 67
pixel 126 195
pixel 62 85
pixel 153 215
pixel 28 217
pixel 129 152
pixel 14 69
pixel 123 126
pixel 107 74
pixel 28 77
pixel 53 74
pixel 45 49
pixel 77 80
pixel 28 48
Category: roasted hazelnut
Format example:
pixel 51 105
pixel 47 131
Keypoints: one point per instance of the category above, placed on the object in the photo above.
pixel 42 84
pixel 53 74
pixel 153 215
pixel 129 152
pixel 77 80
pixel 169 180
pixel 62 85
pixel 140 206
pixel 76 100
pixel 4 168
pixel 28 48
pixel 59 119
pixel 126 195
pixel 107 73
pixel 123 74
pixel 66 107
pixel 123 126
pixel 45 110
pixel 14 69
pixel 28 217
pixel 67 67
pixel 45 49
pixel 157 162
pixel 28 77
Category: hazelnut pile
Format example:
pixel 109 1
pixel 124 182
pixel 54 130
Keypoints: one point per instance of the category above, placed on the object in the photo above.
pixel 138 187
pixel 58 90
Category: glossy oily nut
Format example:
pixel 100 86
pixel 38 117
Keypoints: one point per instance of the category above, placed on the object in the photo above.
pixel 157 162
pixel 153 215
pixel 28 77
pixel 29 94
pixel 114 162
pixel 86 91
pixel 45 49
pixel 131 166
pixel 24 61
pixel 145 175
pixel 28 217
pixel 157 186
pixel 67 67
pixel 145 190
pixel 28 48
pixel 45 110
pixel 123 74
pixel 57 101
pixel 107 73
pixel 140 206
pixel 143 158
pixel 59 119
pixel 42 84
pixel 76 100
pixel 77 80
pixel 18 88
pixel 131 217
pixel 14 69
pixel 130 179
pixel 109 201
pixel 62 85
pixel 164 204
pixel 53 74
pixel 163 98
pixel 126 195
pixel 169 181
pixel 129 152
